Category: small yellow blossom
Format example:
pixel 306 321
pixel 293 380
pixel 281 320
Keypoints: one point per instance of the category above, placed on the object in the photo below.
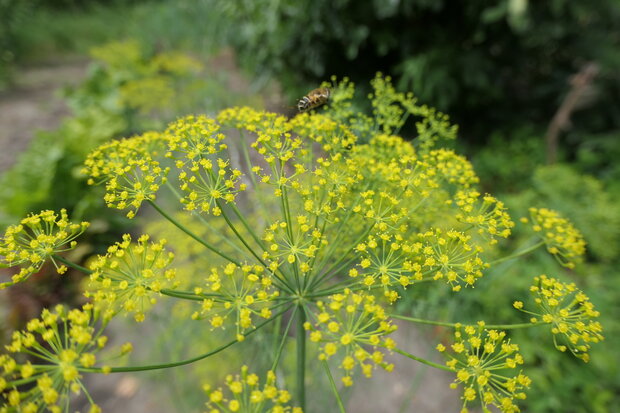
pixel 131 275
pixel 60 344
pixel 245 390
pixel 563 240
pixel 569 312
pixel 37 238
pixel 353 323
pixel 245 292
pixel 478 354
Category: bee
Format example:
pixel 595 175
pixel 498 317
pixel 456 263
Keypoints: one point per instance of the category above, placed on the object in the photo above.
pixel 314 99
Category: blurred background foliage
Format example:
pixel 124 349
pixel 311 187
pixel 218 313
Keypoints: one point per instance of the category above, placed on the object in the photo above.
pixel 506 71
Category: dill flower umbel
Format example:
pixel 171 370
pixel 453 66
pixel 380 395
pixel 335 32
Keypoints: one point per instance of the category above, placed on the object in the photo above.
pixel 192 137
pixel 61 343
pixel 110 159
pixel 274 140
pixel 245 394
pixel 385 259
pixel 488 215
pixel 449 256
pixel 452 168
pixel 295 248
pixel 570 313
pixel 563 240
pixel 353 324
pixel 129 170
pixel 333 136
pixel 477 356
pixel 245 291
pixel 209 183
pixel 37 238
pixel 131 275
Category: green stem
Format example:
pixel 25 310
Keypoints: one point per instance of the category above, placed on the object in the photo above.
pixel 453 325
pixel 247 226
pixel 344 256
pixel 289 230
pixel 182 295
pixel 182 362
pixel 333 386
pixel 518 254
pixel 71 264
pixel 238 235
pixel 283 284
pixel 205 222
pixel 191 234
pixel 422 321
pixel 337 288
pixel 513 326
pixel 284 337
pixel 423 361
pixel 301 357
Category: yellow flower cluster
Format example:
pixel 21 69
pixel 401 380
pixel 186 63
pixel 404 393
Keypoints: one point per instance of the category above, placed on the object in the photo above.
pixel 274 140
pixel 110 159
pixel 145 82
pixel 570 313
pixel 248 396
pixel 244 291
pixel 333 136
pixel 326 189
pixel 295 248
pixel 176 63
pixel 387 104
pixel 207 185
pixel 139 181
pixel 477 356
pixel 386 148
pixel 37 238
pixel 129 169
pixel 449 256
pixel 355 324
pixel 193 138
pixel 118 54
pixel 130 275
pixel 385 259
pixel 380 207
pixel 391 164
pixel 563 240
pixel 488 215
pixel 452 168
pixel 60 344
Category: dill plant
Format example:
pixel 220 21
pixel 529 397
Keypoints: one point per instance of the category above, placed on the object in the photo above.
pixel 325 220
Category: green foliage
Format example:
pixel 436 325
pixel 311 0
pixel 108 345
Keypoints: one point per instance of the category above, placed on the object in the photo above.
pixel 13 14
pixel 50 32
pixel 506 164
